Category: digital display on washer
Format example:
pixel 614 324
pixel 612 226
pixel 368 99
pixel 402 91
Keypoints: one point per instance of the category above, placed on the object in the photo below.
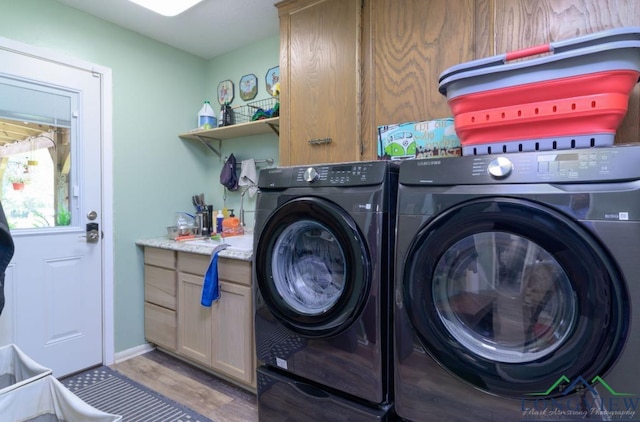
pixel 568 157
pixel 559 157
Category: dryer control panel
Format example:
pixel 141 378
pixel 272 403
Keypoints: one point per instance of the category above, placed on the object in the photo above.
pixel 325 175
pixel 561 166
pixel 336 174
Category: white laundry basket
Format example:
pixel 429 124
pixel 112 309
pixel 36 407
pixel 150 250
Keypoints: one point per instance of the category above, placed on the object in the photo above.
pixel 17 369
pixel 47 400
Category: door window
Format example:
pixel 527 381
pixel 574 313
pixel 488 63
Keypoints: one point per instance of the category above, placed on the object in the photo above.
pixel 509 294
pixel 313 269
pixel 309 267
pixel 35 154
pixel 504 297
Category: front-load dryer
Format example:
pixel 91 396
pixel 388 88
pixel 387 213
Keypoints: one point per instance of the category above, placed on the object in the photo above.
pixel 517 287
pixel 322 269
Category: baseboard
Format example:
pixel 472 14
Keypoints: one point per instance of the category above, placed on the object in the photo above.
pixel 133 352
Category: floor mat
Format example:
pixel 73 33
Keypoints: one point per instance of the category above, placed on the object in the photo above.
pixel 112 392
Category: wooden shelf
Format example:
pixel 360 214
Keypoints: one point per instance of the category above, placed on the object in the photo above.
pixel 234 131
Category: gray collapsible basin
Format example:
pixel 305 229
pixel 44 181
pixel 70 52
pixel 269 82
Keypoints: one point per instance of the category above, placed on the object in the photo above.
pixel 47 400
pixel 17 369
pixel 562 95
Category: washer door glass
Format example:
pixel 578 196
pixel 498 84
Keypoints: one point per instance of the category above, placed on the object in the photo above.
pixel 313 268
pixel 309 267
pixel 510 295
pixel 503 297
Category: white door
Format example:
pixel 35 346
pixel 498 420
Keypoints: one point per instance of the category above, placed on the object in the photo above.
pixel 54 282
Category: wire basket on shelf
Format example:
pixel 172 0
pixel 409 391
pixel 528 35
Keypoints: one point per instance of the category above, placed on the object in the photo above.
pixel 257 110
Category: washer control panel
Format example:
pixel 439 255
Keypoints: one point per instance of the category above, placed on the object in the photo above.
pixel 552 166
pixel 560 166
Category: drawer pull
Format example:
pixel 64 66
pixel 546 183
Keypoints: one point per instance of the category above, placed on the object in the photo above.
pixel 319 141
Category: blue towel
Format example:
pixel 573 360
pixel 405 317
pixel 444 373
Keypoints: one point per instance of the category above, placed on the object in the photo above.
pixel 211 287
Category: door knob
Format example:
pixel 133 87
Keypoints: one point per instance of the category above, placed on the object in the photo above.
pixel 93 233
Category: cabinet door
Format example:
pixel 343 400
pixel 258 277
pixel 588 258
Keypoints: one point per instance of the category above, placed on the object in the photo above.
pixel 233 350
pixel 406 46
pixel 194 320
pixel 319 81
pixel 520 25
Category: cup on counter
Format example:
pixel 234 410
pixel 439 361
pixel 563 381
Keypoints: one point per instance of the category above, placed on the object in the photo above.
pixel 172 232
pixel 211 218
pixel 206 218
pixel 199 223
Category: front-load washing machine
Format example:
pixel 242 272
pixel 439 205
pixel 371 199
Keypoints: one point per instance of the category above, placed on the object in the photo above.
pixel 517 287
pixel 323 263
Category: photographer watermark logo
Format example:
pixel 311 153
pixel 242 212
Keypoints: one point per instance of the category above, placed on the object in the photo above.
pixel 579 399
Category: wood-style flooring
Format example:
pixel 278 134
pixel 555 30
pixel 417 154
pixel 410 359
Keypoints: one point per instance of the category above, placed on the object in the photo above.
pixel 199 390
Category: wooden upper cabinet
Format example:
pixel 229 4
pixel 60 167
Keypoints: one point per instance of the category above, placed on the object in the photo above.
pixel 409 44
pixel 320 81
pixel 349 66
pixel 520 24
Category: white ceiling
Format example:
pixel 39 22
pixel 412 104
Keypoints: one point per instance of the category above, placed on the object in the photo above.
pixel 209 29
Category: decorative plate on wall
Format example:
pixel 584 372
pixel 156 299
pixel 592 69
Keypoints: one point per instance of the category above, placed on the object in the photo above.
pixel 225 92
pixel 272 78
pixel 248 87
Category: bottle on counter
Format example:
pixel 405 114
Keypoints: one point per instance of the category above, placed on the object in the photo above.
pixel 231 226
pixel 206 117
pixel 211 226
pixel 219 219
pixel 199 223
pixel 206 223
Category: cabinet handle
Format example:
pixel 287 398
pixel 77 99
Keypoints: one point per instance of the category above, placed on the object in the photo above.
pixel 319 141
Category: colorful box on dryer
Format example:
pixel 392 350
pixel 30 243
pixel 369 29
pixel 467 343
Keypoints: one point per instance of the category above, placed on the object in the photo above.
pixel 425 139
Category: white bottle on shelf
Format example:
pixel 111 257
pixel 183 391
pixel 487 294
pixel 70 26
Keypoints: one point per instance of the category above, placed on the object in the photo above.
pixel 206 117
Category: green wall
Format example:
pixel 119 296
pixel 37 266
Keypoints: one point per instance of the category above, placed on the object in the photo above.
pixel 157 92
pixel 256 59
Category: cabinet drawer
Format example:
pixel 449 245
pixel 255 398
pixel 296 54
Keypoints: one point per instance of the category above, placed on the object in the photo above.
pixel 160 257
pixel 193 263
pixel 160 326
pixel 234 270
pixel 160 286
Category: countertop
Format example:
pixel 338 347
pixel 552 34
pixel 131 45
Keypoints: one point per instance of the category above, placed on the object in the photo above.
pixel 165 243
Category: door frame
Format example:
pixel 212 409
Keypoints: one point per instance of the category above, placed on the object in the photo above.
pixel 106 147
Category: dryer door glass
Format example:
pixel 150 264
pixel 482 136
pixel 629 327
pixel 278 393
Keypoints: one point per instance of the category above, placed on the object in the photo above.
pixel 510 295
pixel 504 297
pixel 309 267
pixel 313 269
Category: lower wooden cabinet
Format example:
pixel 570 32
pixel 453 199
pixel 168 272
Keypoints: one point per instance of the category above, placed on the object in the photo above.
pixel 233 347
pixel 160 316
pixel 219 338
pixel 160 326
pixel 194 320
